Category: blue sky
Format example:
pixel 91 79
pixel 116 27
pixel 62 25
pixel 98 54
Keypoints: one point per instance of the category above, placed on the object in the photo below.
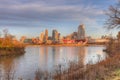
pixel 31 17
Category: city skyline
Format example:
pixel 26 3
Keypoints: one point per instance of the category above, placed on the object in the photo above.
pixel 76 37
pixel 30 18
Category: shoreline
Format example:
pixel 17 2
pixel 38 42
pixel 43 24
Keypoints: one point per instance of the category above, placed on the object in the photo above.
pixel 11 51
pixel 108 69
pixel 65 45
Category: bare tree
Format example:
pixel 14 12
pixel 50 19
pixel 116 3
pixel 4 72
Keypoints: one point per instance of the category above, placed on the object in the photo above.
pixel 113 16
pixel 5 32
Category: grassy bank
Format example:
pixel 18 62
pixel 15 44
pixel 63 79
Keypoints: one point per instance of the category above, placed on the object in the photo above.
pixel 100 71
pixel 11 51
pixel 115 75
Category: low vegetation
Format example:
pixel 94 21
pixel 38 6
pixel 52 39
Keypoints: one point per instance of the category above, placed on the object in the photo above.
pixel 9 46
pixel 99 71
pixel 113 46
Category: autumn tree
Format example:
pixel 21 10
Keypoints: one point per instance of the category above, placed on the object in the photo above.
pixel 113 14
pixel 7 42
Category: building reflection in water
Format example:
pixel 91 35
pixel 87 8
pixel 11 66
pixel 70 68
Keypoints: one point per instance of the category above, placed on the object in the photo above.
pixel 51 56
pixel 43 56
pixel 81 54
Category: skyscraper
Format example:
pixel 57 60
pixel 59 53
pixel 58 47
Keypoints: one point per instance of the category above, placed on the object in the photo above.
pixel 81 32
pixel 46 36
pixel 42 37
pixel 55 36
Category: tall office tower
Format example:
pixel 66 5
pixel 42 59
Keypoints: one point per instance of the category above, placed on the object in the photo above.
pixel 42 37
pixel 46 35
pixel 54 35
pixel 81 32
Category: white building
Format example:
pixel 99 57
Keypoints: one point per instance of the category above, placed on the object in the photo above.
pixel 81 32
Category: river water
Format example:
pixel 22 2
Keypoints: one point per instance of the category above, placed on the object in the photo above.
pixel 46 58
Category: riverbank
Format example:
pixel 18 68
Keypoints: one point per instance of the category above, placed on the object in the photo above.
pixel 57 45
pixel 115 75
pixel 69 45
pixel 101 71
pixel 11 51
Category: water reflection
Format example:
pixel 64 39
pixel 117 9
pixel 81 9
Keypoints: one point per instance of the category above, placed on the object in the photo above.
pixel 7 67
pixel 93 55
pixel 45 58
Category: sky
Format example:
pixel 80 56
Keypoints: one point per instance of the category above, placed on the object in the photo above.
pixel 31 17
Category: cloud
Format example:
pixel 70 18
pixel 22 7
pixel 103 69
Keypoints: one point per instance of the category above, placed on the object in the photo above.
pixel 42 12
pixel 39 14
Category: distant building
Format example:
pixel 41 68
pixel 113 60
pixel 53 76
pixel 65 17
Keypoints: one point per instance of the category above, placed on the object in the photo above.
pixel 55 36
pixel 74 36
pixel 46 36
pixel 22 39
pixel 58 36
pixel 68 37
pixel 41 37
pixel 28 41
pixel 35 40
pixel 49 38
pixel 65 41
pixel 81 32
pixel 97 41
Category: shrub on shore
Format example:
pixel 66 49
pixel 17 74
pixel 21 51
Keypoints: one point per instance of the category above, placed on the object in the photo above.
pixel 11 51
pixel 113 46
pixel 9 46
